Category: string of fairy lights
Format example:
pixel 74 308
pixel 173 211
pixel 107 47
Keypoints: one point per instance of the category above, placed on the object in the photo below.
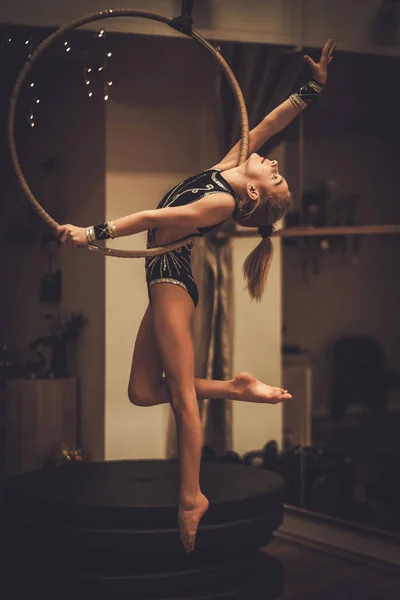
pixel 88 70
pixel 95 67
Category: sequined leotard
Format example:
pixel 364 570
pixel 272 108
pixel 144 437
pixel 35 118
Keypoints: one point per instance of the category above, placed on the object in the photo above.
pixel 174 267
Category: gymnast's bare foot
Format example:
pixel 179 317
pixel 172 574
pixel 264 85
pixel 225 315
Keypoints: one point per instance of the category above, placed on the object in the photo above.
pixel 190 514
pixel 250 389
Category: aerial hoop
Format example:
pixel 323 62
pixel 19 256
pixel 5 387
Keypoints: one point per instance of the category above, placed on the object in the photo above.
pixel 98 16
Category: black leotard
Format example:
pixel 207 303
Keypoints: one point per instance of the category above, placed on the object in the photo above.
pixel 174 267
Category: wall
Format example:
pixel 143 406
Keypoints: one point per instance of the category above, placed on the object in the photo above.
pixel 72 132
pixel 132 114
pixel 257 343
pixel 349 139
pixel 347 297
pixel 292 22
pixel 257 348
pixel 159 131
pixel 83 154
pixel 158 128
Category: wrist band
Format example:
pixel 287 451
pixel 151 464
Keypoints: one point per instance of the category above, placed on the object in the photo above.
pixel 306 94
pixel 104 231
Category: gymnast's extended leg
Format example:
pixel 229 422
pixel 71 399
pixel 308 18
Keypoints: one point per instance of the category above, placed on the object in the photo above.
pixel 147 386
pixel 172 317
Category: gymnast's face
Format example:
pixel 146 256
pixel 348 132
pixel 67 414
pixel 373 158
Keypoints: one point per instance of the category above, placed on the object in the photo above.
pixel 263 173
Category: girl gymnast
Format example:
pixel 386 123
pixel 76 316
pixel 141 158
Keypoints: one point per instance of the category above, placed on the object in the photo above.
pixel 255 194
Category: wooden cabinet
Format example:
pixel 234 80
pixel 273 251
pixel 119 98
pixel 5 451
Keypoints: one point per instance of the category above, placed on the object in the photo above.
pixel 37 415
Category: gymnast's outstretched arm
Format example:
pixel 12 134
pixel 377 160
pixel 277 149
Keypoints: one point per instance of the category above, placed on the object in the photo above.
pixel 282 115
pixel 209 210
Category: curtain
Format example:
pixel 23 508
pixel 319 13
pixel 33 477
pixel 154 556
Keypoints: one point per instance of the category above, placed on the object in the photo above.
pixel 267 75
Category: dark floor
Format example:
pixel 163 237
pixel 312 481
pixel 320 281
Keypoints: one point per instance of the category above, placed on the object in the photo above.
pixel 317 575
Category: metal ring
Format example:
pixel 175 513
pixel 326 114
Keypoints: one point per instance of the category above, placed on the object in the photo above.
pixel 98 16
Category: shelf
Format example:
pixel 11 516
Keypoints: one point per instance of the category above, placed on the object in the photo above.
pixel 318 231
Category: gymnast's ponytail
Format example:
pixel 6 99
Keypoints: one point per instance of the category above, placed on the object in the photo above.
pixel 257 265
pixel 256 268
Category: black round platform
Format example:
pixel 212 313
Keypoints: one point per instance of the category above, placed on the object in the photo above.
pixel 113 526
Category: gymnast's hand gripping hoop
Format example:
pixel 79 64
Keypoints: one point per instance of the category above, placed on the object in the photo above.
pixel 182 24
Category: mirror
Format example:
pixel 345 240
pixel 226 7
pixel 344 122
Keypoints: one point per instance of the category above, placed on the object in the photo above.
pixel 341 350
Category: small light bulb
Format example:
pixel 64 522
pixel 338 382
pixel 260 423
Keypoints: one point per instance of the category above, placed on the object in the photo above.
pixel 109 54
pixel 89 69
pixel 67 49
pixel 109 82
pixel 31 116
pixel 26 42
pixel 87 81
pixel 100 68
pixel 37 100
pixel 90 94
pixel 324 245
pixel 10 39
pixel 101 33
pixel 32 124
pixel 106 97
pixel 65 43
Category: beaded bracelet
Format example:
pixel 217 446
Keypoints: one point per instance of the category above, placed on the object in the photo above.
pixel 90 234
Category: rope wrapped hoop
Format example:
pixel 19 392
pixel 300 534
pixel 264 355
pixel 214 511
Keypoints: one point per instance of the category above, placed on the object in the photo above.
pixel 98 16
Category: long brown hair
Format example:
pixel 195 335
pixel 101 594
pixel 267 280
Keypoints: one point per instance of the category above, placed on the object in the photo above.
pixel 268 210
